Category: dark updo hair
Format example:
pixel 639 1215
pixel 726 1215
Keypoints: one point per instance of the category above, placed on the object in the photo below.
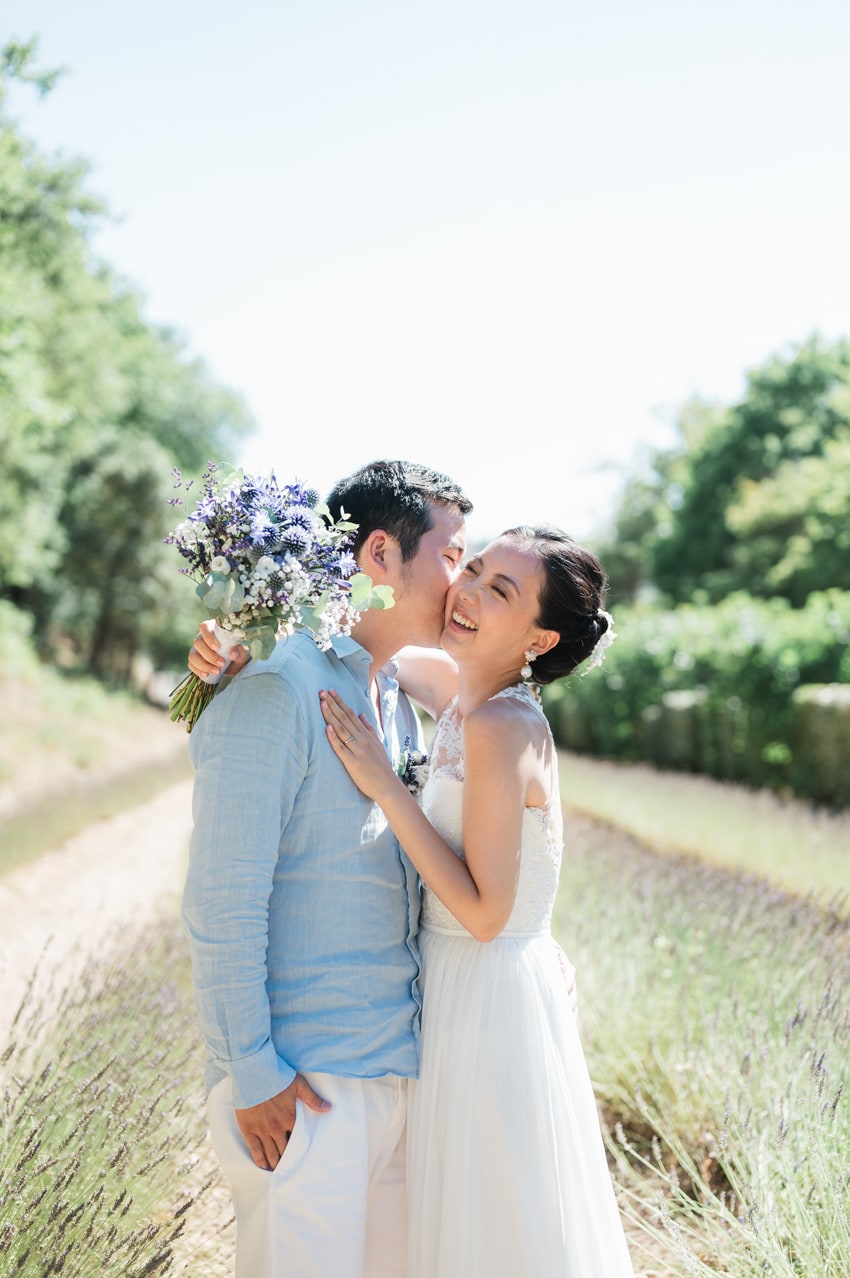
pixel 571 597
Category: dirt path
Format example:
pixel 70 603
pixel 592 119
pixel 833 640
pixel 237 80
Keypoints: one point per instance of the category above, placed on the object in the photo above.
pixel 125 869
pixel 58 909
pixel 128 869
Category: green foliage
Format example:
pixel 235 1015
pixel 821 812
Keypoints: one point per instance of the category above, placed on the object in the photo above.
pixel 756 495
pixel 822 741
pixel 738 662
pixel 19 658
pixel 626 548
pixel 793 409
pixel 16 63
pixel 96 406
pixel 364 595
pixel 792 530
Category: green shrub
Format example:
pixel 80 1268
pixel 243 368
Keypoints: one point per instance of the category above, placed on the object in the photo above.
pixel 673 731
pixel 707 688
pixel 821 758
pixel 19 656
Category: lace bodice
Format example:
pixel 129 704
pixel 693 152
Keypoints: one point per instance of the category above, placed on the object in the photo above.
pixel 542 830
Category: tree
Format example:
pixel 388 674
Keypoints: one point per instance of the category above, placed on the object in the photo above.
pixel 792 530
pixel 96 406
pixel 712 516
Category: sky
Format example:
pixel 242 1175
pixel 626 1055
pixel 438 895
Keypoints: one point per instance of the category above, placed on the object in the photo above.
pixel 508 238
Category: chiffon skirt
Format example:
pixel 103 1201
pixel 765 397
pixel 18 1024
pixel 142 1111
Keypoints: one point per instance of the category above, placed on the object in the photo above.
pixel 507 1175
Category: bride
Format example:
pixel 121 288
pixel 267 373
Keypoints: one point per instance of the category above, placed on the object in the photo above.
pixel 507 1169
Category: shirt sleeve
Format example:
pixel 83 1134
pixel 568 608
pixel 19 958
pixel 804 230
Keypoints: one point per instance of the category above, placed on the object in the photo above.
pixel 250 752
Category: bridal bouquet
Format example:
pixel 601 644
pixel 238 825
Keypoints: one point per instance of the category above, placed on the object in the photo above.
pixel 268 558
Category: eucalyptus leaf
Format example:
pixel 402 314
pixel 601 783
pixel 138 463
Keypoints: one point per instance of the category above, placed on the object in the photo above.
pixel 214 594
pixel 260 636
pixel 227 476
pixel 237 597
pixel 220 594
pixel 262 645
pixel 381 598
pixel 361 587
pixel 364 595
pixel 312 616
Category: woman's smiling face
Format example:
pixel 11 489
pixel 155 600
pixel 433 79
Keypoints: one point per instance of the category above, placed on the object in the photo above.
pixel 492 609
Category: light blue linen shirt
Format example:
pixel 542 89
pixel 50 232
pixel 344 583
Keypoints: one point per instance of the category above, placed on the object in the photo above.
pixel 300 907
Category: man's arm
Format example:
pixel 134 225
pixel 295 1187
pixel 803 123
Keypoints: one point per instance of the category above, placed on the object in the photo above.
pixel 268 1126
pixel 249 751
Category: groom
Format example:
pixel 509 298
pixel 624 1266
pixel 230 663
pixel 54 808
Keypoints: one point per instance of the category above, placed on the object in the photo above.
pixel 301 912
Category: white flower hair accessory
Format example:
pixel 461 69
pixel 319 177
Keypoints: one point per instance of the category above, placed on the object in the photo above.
pixel 603 643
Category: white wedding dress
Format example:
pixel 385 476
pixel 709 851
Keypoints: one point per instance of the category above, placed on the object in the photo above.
pixel 507 1170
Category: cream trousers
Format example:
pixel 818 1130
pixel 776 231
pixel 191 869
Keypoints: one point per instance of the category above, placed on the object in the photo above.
pixel 335 1206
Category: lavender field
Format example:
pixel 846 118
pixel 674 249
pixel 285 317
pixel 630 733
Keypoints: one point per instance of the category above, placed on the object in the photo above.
pixel 716 1023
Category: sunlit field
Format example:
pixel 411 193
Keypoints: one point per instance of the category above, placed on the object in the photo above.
pixel 103 1162
pixel 793 844
pixel 717 1028
pixel 715 1019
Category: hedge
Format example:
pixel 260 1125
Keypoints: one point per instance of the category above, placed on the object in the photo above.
pixel 749 690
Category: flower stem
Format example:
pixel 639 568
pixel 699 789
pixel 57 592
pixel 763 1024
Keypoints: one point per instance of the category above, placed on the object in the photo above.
pixel 189 700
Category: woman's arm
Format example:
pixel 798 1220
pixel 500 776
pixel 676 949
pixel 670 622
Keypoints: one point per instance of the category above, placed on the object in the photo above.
pixel 480 892
pixel 429 676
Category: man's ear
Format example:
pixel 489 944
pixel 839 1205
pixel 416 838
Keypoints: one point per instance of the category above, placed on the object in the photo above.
pixel 377 554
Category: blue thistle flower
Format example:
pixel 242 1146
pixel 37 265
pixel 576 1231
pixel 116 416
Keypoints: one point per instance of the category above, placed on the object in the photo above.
pixel 296 539
pixel 298 495
pixel 248 519
pixel 302 516
pixel 263 528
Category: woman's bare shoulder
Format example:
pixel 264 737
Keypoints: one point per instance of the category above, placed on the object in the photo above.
pixel 506 719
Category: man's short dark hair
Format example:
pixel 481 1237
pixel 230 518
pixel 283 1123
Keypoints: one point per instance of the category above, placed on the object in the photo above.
pixel 395 496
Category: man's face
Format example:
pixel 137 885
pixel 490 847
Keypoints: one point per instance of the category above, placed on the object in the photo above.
pixel 426 577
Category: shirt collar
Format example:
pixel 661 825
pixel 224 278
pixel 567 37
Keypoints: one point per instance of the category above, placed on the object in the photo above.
pixel 355 656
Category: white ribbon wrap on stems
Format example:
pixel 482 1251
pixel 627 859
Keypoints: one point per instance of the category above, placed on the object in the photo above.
pixel 227 641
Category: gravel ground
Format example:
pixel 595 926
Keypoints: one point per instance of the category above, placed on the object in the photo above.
pixel 56 910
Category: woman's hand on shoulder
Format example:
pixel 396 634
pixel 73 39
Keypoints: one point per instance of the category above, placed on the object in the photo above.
pixel 204 656
pixel 358 747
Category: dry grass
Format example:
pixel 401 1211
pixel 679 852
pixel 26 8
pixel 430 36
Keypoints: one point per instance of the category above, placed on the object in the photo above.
pixel 717 1032
pixel 103 1118
pixel 714 1023
pixel 72 753
pixel 801 848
